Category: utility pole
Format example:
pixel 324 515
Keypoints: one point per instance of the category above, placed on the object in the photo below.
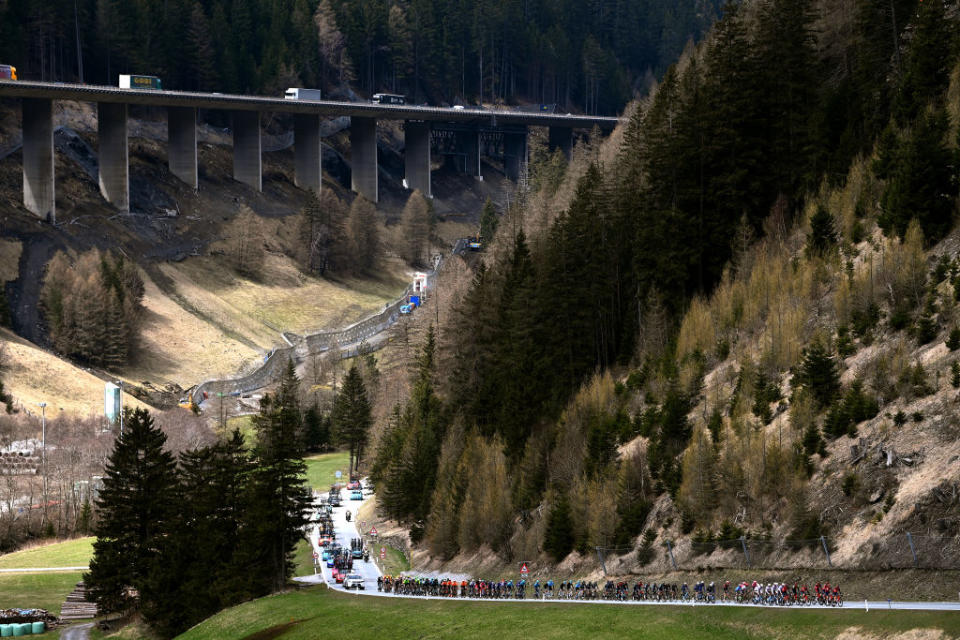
pixel 120 384
pixel 43 453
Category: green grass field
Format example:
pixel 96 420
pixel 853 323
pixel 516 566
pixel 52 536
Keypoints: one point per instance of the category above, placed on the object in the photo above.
pixel 37 590
pixel 72 553
pixel 303 559
pixel 314 612
pixel 321 469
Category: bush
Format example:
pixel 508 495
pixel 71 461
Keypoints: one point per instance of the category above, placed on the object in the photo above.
pixel 953 341
pixel 845 346
pixel 899 419
pixel 850 484
pixel 955 375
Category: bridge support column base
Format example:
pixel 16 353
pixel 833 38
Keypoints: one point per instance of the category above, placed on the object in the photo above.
pixel 308 155
pixel 416 156
pixel 39 195
pixel 182 144
pixel 247 167
pixel 113 154
pixel 363 160
pixel 469 143
pixel 561 138
pixel 514 154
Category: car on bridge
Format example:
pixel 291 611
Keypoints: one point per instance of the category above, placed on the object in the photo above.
pixel 353 581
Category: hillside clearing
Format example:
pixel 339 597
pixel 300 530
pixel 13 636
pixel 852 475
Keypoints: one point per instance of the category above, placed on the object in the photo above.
pixel 311 613
pixel 322 469
pixel 70 553
pixel 33 375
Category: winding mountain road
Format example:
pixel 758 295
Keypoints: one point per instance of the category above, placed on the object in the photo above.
pixel 345 531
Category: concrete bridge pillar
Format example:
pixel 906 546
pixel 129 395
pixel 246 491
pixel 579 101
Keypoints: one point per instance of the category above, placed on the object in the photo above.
pixel 561 138
pixel 416 156
pixel 247 166
pixel 469 143
pixel 38 173
pixel 113 154
pixel 182 144
pixel 514 154
pixel 308 156
pixel 363 160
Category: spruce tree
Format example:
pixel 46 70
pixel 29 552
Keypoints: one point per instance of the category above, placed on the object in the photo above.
pixel 136 511
pixel 558 537
pixel 488 222
pixel 316 429
pixel 277 497
pixel 823 235
pixel 351 416
pixel 818 373
pixel 197 572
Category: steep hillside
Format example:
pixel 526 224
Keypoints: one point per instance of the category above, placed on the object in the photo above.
pixel 727 337
pixel 202 318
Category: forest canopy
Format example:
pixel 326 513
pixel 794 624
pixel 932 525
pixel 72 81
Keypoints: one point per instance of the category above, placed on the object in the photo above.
pixel 584 55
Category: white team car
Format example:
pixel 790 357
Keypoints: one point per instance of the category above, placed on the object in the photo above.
pixel 353 581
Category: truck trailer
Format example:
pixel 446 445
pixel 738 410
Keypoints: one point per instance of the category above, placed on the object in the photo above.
pixel 296 93
pixel 140 82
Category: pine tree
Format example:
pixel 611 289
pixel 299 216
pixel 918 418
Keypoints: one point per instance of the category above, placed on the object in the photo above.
pixel 363 235
pixel 558 537
pixel 818 373
pixel 415 229
pixel 351 416
pixel 823 235
pixel 197 572
pixel 488 222
pixel 316 429
pixel 921 185
pixel 276 495
pixel 135 511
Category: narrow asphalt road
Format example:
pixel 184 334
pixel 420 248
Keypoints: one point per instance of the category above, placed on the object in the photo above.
pixel 77 632
pixel 345 531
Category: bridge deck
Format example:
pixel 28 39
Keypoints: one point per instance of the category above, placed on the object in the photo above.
pixel 99 93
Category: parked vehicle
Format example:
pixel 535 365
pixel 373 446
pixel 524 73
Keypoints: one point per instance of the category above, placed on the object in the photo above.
pixel 296 93
pixel 8 72
pixel 140 82
pixel 353 581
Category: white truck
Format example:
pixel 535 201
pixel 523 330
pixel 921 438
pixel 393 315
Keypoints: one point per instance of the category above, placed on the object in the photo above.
pixel 296 93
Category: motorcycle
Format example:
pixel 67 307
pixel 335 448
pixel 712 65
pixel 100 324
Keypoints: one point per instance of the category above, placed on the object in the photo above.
pixel 348 516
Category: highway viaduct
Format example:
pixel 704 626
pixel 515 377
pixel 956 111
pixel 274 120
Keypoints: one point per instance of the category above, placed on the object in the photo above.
pixel 464 126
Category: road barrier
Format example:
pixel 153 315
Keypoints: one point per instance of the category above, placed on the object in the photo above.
pixel 349 342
